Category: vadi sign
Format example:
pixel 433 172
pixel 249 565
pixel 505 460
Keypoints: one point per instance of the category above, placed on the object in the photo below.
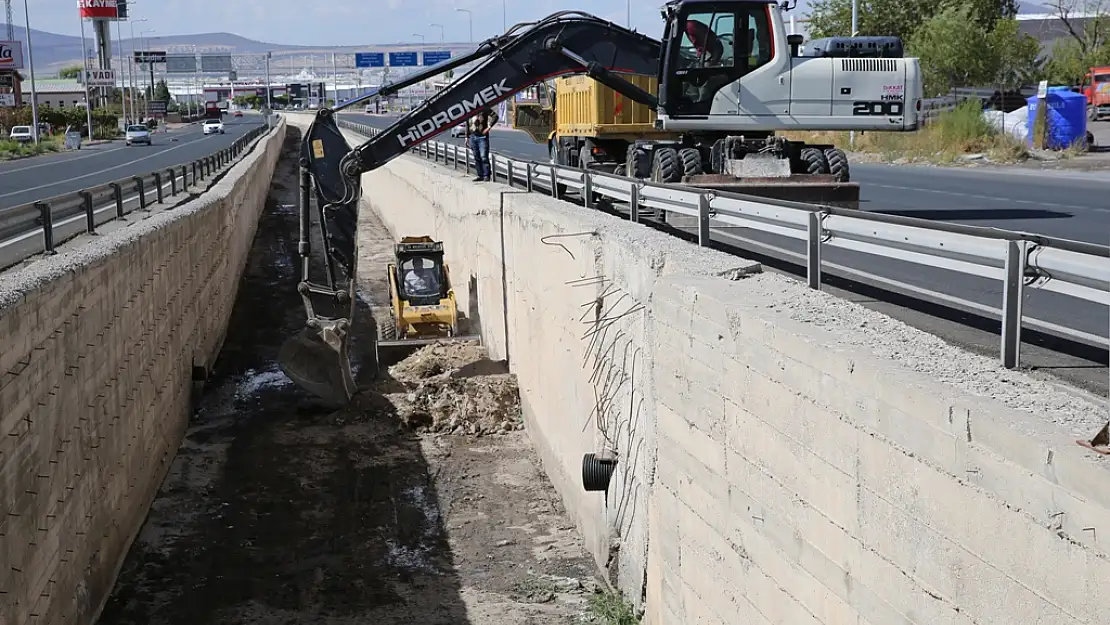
pixel 98 9
pixel 100 78
pixel 11 55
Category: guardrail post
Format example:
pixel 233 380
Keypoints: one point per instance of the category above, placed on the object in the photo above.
pixel 173 182
pixel 117 195
pixel 468 155
pixel 1017 255
pixel 703 220
pixel 528 182
pixel 194 164
pixel 634 203
pixel 47 227
pixel 813 250
pixel 141 190
pixel 90 215
pixel 184 178
pixel 554 182
pixel 158 186
pixel 587 189
pixel 509 172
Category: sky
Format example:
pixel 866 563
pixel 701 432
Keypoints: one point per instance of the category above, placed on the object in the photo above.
pixel 344 22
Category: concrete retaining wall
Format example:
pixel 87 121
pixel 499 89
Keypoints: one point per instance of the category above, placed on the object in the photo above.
pixel 785 457
pixel 97 346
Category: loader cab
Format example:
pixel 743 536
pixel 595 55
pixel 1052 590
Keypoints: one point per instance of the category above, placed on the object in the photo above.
pixel 421 274
pixel 709 45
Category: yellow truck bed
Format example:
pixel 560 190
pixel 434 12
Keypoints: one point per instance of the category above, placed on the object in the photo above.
pixel 587 108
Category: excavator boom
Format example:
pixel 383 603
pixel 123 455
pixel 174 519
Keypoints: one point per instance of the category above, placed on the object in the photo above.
pixel 569 42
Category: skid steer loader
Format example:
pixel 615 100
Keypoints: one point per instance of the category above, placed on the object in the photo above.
pixel 422 307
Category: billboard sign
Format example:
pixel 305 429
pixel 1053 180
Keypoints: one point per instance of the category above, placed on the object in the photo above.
pixel 369 59
pixel 402 59
pixel 121 9
pixel 216 63
pixel 100 78
pixel 7 99
pixel 11 55
pixel 181 63
pixel 150 56
pixel 435 57
pixel 98 9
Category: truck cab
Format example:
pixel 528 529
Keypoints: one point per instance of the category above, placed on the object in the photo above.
pixel 1096 87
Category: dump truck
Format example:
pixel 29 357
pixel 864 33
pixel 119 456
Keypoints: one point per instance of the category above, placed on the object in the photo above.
pixel 586 124
pixel 1096 86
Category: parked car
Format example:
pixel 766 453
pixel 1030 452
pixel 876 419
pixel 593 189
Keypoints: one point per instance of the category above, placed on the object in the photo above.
pixel 458 130
pixel 137 133
pixel 22 134
pixel 213 126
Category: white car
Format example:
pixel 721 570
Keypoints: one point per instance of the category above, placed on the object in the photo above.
pixel 213 126
pixel 137 133
pixel 458 130
pixel 21 134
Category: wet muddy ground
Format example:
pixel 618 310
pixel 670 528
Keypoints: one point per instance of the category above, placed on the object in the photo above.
pixel 278 510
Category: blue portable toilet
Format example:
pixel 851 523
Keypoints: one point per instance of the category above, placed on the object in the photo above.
pixel 1067 118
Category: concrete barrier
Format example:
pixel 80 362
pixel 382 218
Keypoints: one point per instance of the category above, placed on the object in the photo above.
pixel 97 350
pixel 784 456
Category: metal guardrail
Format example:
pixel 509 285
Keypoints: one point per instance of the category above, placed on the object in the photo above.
pixel 932 108
pixel 39 227
pixel 1019 260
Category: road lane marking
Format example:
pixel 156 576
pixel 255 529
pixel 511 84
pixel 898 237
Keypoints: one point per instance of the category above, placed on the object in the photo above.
pixel 986 197
pixel 76 158
pixel 46 186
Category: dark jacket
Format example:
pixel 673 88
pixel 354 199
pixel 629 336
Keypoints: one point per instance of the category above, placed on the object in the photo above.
pixel 482 122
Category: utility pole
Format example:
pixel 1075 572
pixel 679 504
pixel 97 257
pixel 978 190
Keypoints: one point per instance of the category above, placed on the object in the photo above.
pixel 470 20
pixel 85 69
pixel 855 32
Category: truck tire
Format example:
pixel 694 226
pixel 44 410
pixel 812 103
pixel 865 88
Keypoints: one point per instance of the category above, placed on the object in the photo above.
pixel 813 161
pixel 838 164
pixel 691 161
pixel 638 163
pixel 665 168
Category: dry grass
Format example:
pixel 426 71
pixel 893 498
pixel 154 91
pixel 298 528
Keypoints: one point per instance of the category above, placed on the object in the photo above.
pixel 15 149
pixel 948 139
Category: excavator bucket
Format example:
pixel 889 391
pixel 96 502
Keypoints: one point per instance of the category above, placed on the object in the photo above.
pixel 317 360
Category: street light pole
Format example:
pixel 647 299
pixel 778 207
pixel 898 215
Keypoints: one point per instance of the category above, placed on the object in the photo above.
pixel 504 15
pixel 133 72
pixel 85 79
pixel 146 46
pixel 122 71
pixel 420 61
pixel 440 27
pixel 470 19
pixel 31 65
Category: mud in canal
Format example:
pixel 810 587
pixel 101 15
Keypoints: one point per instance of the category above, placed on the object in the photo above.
pixel 421 504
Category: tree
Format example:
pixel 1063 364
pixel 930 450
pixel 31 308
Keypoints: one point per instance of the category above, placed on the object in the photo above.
pixel 954 49
pixel 162 91
pixel 901 18
pixel 1017 56
pixel 1086 21
pixel 71 72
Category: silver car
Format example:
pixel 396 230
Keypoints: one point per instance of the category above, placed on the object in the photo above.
pixel 137 133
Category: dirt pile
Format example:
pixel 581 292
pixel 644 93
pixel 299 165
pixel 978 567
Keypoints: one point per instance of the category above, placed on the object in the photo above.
pixel 454 388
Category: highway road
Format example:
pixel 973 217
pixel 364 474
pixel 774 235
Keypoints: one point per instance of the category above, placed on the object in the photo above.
pixel 1071 205
pixel 41 177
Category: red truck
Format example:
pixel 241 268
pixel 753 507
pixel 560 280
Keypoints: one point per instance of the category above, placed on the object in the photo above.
pixel 1096 86
pixel 212 110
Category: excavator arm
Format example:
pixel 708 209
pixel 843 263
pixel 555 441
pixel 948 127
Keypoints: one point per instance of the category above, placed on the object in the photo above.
pixel 568 42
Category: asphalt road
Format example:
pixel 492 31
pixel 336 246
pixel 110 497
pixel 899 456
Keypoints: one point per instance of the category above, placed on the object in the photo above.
pixel 1071 205
pixel 41 177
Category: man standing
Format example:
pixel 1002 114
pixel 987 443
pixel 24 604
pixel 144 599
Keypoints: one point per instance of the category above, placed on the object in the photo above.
pixel 477 135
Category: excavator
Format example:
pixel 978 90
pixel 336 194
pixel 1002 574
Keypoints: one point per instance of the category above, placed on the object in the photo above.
pixel 728 78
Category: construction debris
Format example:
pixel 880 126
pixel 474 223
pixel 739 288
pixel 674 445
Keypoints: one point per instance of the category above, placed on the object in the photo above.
pixel 454 388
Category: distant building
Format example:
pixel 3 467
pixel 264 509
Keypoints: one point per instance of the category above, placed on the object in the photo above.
pixel 55 93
